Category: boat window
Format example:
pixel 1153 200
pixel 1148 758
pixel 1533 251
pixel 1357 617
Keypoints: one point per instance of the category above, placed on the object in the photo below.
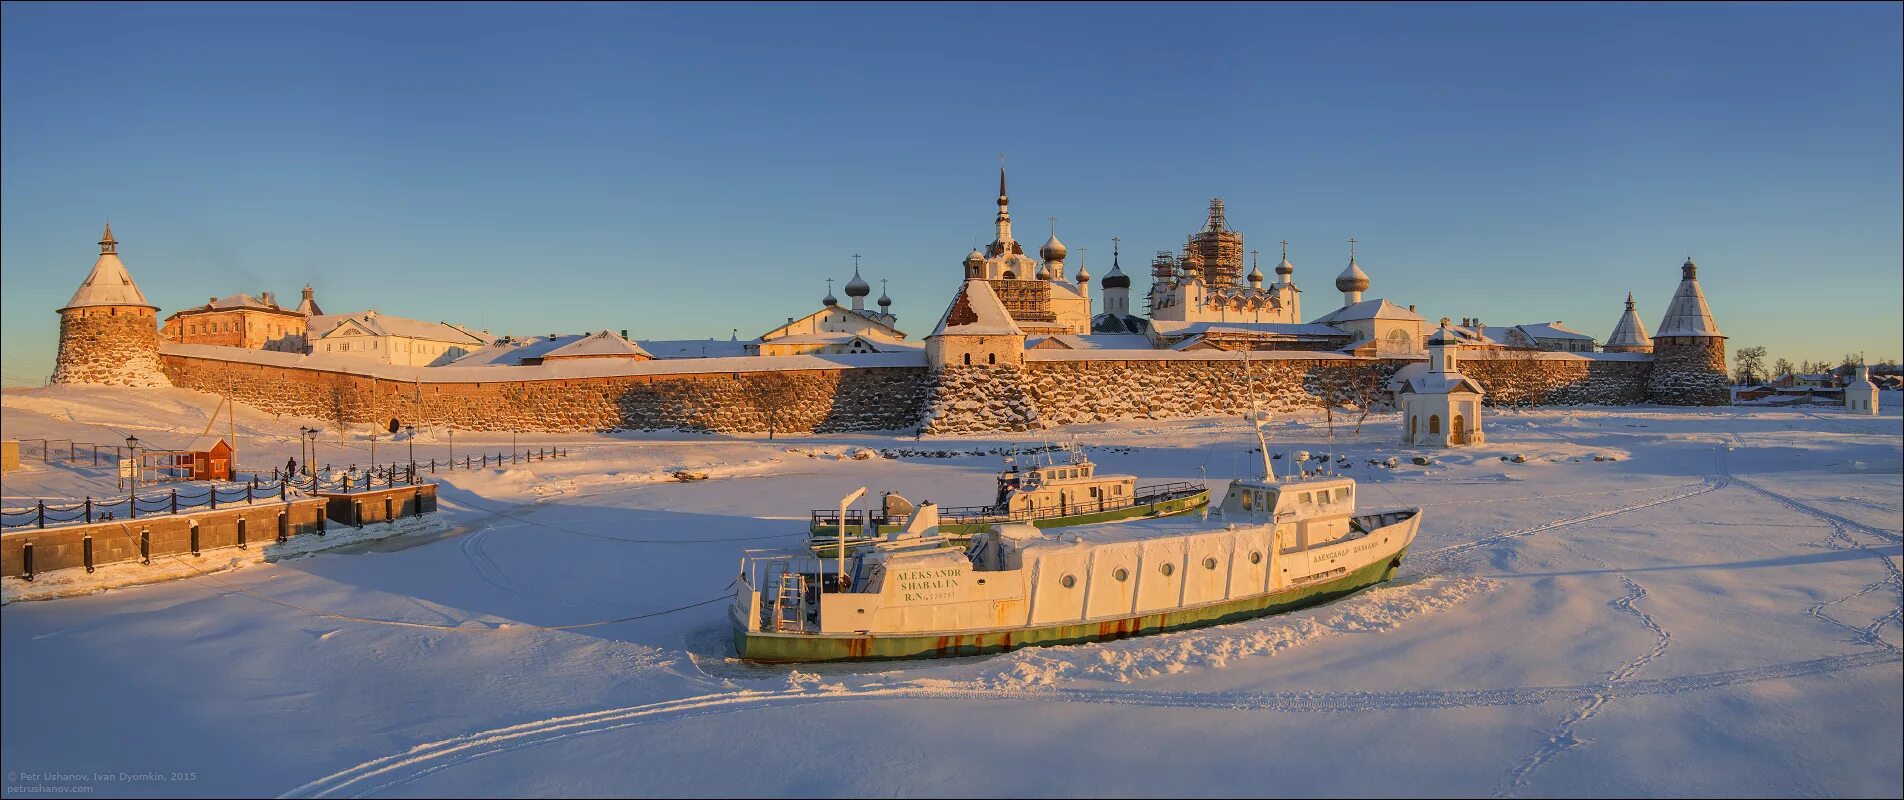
pixel 1068 581
pixel 1209 563
pixel 1342 494
pixel 1121 574
pixel 1166 568
pixel 1255 557
pixel 1322 497
pixel 1305 499
pixel 1247 497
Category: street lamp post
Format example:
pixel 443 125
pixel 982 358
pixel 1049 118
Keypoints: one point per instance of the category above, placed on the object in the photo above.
pixel 311 465
pixel 132 451
pixel 452 448
pixel 411 430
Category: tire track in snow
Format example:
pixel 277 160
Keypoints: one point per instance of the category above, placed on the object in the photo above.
pixel 426 759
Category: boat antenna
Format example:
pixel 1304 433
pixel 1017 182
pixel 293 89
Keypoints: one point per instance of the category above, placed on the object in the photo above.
pixel 1329 414
pixel 1257 418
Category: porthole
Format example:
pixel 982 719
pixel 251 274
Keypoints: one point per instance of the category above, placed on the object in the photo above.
pixel 1255 557
pixel 1167 568
pixel 1209 563
pixel 1068 581
pixel 1121 574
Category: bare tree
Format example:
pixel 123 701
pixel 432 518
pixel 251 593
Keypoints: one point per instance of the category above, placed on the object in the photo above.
pixel 1751 363
pixel 775 395
pixel 1783 366
pixel 1364 390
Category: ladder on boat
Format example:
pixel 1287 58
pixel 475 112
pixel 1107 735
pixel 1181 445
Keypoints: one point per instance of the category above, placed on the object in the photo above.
pixel 789 604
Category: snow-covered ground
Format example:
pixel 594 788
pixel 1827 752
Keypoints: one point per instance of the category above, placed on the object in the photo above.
pixel 1713 611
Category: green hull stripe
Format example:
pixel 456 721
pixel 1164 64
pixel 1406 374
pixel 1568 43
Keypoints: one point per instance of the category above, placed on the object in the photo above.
pixel 756 646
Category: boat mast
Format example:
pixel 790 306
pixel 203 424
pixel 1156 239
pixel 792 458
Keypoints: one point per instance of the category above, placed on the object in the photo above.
pixel 1257 418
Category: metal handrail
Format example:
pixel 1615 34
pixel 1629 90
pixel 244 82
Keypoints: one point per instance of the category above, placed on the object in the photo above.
pixel 1142 495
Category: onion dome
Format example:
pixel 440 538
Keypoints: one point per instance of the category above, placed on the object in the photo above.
pixel 1285 269
pixel 884 301
pixel 830 299
pixel 1116 279
pixel 1352 279
pixel 1255 274
pixel 975 258
pixel 1043 273
pixel 1084 277
pixel 1053 250
pixel 857 287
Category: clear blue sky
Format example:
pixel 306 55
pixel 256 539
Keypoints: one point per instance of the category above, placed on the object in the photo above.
pixel 683 170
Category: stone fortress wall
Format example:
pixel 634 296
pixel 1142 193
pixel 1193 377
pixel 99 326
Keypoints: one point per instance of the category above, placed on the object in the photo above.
pixel 1097 387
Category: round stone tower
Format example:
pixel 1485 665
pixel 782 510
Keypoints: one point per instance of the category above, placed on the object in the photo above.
pixel 1689 367
pixel 108 333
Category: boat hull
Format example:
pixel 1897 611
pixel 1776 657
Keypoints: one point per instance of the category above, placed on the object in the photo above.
pixel 768 647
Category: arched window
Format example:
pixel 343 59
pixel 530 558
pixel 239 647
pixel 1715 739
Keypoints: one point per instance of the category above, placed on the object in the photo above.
pixel 991 358
pixel 1414 424
pixel 1434 423
pixel 968 359
pixel 1459 428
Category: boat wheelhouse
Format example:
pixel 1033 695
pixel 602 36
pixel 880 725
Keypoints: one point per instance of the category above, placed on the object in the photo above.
pixel 1045 495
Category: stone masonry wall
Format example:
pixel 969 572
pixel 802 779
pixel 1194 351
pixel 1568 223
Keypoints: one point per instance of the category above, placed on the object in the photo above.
pixel 1069 392
pixel 1513 381
pixel 1689 371
pixel 98 346
pixel 978 399
pixel 956 399
pixel 804 401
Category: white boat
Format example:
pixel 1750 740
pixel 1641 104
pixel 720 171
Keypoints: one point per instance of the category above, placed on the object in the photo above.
pixel 1276 545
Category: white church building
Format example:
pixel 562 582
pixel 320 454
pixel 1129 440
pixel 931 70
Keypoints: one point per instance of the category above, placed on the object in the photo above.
pixel 1440 406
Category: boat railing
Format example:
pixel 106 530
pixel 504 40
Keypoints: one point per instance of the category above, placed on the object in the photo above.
pixel 857 520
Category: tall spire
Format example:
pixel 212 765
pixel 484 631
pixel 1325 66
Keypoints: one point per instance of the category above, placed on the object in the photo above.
pixel 108 246
pixel 1002 243
pixel 1629 334
pixel 1687 313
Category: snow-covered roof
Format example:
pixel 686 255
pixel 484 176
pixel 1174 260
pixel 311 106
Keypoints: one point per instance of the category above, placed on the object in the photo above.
pixel 694 348
pixel 1478 336
pixel 385 325
pixel 237 301
pixel 976 311
pixel 1119 323
pixel 515 351
pixel 1177 328
pixel 1095 341
pixel 1687 314
pixel 561 369
pixel 884 321
pixel 837 337
pixel 1367 309
pixel 109 284
pixel 598 345
pixel 1629 331
pixel 1193 355
pixel 1417 379
pixel 1550 330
